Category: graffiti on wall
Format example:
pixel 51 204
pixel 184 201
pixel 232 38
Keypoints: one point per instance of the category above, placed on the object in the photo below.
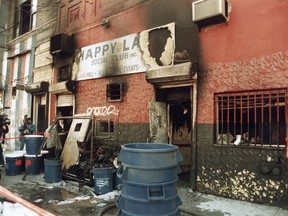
pixel 103 110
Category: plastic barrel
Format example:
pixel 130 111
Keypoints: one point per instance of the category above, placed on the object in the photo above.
pixel 45 154
pixel 33 164
pixel 14 163
pixel 176 212
pixel 150 192
pixel 33 144
pixel 150 155
pixel 149 175
pixel 139 207
pixel 53 172
pixel 155 174
pixel 117 182
pixel 103 179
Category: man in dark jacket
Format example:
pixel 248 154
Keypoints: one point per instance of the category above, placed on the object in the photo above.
pixel 4 129
pixel 27 128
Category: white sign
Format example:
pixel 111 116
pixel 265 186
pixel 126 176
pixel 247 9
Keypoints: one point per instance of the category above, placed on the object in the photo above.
pixel 115 57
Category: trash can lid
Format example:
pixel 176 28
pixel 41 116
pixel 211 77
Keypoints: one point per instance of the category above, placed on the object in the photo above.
pixel 14 154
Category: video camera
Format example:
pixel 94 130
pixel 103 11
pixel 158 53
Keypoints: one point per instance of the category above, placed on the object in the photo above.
pixel 25 119
pixel 4 120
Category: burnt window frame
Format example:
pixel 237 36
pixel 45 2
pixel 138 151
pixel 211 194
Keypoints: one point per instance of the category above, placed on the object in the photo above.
pixel 62 72
pixel 114 92
pixel 250 113
pixel 104 134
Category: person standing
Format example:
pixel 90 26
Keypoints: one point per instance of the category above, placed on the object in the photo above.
pixel 62 129
pixel 53 142
pixel 4 129
pixel 26 128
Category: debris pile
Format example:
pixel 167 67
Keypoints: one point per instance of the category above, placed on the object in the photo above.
pixel 106 156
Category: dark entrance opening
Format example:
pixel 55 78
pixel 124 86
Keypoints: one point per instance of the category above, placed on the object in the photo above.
pixel 65 111
pixel 180 130
pixel 41 121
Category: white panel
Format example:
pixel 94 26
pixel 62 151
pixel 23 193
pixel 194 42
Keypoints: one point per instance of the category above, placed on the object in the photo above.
pixel 43 73
pixel 42 59
pixel 29 43
pixel 15 71
pixel 43 100
pixel 34 6
pixel 204 9
pixel 158 122
pixel 4 67
pixel 70 152
pixel 17 49
pixel 65 100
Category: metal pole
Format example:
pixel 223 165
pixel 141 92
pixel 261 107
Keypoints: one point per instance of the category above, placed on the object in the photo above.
pixel 11 196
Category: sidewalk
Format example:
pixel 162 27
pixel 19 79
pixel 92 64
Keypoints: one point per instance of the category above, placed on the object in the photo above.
pixel 209 205
pixel 66 198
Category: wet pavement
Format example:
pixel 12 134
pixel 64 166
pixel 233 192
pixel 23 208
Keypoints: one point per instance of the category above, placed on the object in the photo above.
pixel 63 198
pixel 70 198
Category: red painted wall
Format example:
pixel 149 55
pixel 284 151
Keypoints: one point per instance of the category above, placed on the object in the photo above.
pixel 255 28
pixel 250 52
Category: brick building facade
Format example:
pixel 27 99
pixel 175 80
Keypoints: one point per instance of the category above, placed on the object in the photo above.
pixel 148 73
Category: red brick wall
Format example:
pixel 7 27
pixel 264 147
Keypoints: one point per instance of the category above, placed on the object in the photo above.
pixel 135 105
pixel 53 107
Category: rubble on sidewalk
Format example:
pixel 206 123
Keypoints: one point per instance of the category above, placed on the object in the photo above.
pixel 62 198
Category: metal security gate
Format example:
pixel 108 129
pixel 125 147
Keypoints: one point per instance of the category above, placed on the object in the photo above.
pixel 64 100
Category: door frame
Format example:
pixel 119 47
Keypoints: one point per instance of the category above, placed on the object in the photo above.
pixel 193 147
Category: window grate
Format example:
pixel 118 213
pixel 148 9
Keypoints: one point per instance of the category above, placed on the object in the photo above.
pixel 256 118
pixel 64 74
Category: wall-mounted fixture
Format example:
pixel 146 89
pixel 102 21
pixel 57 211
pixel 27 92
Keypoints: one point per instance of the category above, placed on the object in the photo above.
pixel 106 23
pixel 208 12
pixel 61 44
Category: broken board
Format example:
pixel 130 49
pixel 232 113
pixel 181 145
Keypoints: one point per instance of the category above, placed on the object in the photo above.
pixel 77 132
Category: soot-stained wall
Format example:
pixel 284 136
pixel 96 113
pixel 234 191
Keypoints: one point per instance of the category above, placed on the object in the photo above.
pixel 248 53
pixel 83 21
pixel 237 171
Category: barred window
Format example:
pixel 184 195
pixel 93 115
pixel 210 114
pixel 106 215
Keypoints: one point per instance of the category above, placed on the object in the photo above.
pixel 254 118
pixel 64 73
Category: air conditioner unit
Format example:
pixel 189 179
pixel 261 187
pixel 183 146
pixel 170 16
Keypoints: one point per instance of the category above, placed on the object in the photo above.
pixel 61 44
pixel 208 12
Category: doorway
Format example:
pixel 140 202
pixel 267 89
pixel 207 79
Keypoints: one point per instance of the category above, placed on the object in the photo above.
pixel 40 114
pixel 42 120
pixel 180 126
pixel 179 115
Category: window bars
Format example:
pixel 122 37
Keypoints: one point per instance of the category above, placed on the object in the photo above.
pixel 252 118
